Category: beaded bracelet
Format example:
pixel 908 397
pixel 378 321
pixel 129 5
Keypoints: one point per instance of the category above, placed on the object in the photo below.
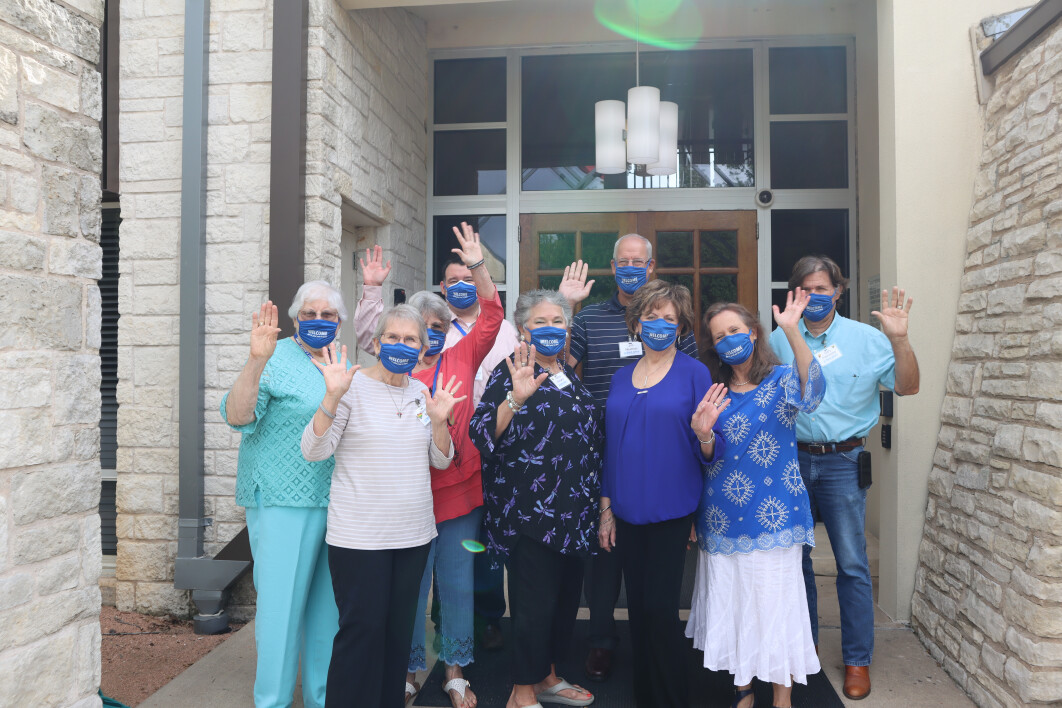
pixel 709 441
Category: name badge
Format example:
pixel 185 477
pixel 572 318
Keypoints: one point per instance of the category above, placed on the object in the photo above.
pixel 422 413
pixel 560 380
pixel 480 375
pixel 828 354
pixel 629 349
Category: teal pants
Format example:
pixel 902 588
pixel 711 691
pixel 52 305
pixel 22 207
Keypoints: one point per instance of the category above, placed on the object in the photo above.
pixel 296 613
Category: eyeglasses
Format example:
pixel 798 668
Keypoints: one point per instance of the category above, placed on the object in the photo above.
pixel 330 315
pixel 627 262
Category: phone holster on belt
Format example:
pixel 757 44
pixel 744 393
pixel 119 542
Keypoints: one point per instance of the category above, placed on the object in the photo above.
pixel 863 463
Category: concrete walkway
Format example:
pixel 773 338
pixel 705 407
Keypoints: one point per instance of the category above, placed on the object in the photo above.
pixel 903 674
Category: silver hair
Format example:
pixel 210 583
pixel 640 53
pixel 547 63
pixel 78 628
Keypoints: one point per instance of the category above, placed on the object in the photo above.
pixel 530 298
pixel 402 312
pixel 318 290
pixel 643 239
pixel 428 303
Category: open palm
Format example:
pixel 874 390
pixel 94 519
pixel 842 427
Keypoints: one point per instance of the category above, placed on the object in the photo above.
pixel 442 403
pixel 574 286
pixel 471 250
pixel 373 270
pixel 264 331
pixel 893 316
pixel 708 410
pixel 795 302
pixel 522 371
pixel 337 376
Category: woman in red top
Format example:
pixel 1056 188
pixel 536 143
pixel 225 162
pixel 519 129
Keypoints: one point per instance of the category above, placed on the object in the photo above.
pixel 457 491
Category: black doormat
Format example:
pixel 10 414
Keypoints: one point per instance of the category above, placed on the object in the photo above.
pixel 490 679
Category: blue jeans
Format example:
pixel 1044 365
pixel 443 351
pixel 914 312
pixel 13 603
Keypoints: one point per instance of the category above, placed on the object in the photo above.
pixel 453 564
pixel 296 614
pixel 837 501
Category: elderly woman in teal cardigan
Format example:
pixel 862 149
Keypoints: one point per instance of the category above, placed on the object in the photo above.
pixel 286 497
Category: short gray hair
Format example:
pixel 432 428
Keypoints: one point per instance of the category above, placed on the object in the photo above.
pixel 531 298
pixel 643 239
pixel 402 312
pixel 318 290
pixel 428 303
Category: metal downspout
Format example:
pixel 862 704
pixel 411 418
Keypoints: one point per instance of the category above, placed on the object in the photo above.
pixel 208 578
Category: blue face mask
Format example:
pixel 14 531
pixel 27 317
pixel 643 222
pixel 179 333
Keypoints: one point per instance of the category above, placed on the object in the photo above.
pixel 735 349
pixel 819 307
pixel 436 341
pixel 317 333
pixel 461 295
pixel 548 340
pixel 398 358
pixel 630 278
pixel 658 334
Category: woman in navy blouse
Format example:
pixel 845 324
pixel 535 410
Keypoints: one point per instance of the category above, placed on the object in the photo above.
pixel 749 613
pixel 657 446
pixel 537 432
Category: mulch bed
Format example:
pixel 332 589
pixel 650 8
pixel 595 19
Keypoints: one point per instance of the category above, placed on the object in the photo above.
pixel 141 653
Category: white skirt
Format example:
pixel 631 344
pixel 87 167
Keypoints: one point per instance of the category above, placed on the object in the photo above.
pixel 750 616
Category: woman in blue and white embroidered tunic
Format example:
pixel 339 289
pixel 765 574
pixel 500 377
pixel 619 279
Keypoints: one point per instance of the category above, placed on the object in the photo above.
pixel 749 613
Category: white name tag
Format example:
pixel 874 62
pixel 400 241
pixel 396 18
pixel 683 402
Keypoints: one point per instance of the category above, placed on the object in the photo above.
pixel 828 354
pixel 629 349
pixel 560 380
pixel 422 414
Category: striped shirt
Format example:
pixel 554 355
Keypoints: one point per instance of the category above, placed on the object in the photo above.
pixel 596 335
pixel 381 487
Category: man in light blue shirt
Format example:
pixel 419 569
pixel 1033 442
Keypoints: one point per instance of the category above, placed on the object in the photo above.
pixel 856 360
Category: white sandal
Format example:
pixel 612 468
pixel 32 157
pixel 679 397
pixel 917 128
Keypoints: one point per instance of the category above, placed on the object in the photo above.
pixel 456 684
pixel 550 695
pixel 412 689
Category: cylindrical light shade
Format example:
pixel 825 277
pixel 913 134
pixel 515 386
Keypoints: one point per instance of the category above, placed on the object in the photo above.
pixel 608 132
pixel 667 161
pixel 643 124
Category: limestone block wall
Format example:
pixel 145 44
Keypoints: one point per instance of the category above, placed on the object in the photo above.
pixel 988 595
pixel 50 259
pixel 366 135
pixel 238 140
pixel 363 146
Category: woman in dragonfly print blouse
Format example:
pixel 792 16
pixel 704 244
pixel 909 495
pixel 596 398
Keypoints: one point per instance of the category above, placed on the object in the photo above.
pixel 542 449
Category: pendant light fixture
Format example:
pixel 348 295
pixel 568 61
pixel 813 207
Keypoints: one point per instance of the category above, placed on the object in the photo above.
pixel 651 128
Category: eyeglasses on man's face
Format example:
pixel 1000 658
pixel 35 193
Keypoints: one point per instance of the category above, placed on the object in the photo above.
pixel 330 315
pixel 628 262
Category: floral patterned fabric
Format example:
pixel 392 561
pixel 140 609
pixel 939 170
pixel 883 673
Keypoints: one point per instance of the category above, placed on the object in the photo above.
pixel 754 498
pixel 541 478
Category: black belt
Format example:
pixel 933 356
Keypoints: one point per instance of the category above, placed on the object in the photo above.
pixel 824 448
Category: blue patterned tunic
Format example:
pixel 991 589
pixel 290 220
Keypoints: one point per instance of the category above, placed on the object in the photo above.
pixel 754 498
pixel 541 478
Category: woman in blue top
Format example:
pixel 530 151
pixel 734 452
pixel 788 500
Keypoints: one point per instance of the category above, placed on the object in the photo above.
pixel 749 613
pixel 653 475
pixel 286 497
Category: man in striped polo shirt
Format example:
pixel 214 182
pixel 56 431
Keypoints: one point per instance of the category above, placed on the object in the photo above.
pixel 601 343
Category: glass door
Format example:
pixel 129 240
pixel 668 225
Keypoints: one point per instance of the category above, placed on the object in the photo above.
pixel 713 253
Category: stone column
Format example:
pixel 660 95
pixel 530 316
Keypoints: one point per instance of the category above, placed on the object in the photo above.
pixel 50 259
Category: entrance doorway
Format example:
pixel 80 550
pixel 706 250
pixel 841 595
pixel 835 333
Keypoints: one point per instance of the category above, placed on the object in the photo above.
pixel 713 253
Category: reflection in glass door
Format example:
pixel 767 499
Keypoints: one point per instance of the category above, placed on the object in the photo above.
pixel 711 253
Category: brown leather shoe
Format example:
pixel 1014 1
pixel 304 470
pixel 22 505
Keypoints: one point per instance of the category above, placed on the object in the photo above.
pixel 857 682
pixel 598 664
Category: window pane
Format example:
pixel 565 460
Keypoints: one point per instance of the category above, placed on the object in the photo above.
pixel 798 233
pixel 470 90
pixel 603 289
pixel 718 288
pixel 809 155
pixel 555 250
pixel 719 249
pixel 491 231
pixel 549 282
pixel 679 279
pixel 808 80
pixel 674 249
pixel 598 247
pixel 713 89
pixel 469 162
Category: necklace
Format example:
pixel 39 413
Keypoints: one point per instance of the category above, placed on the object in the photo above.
pixel 402 400
pixel 739 383
pixel 656 368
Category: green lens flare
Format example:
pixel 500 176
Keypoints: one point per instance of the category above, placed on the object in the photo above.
pixel 473 546
pixel 668 24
